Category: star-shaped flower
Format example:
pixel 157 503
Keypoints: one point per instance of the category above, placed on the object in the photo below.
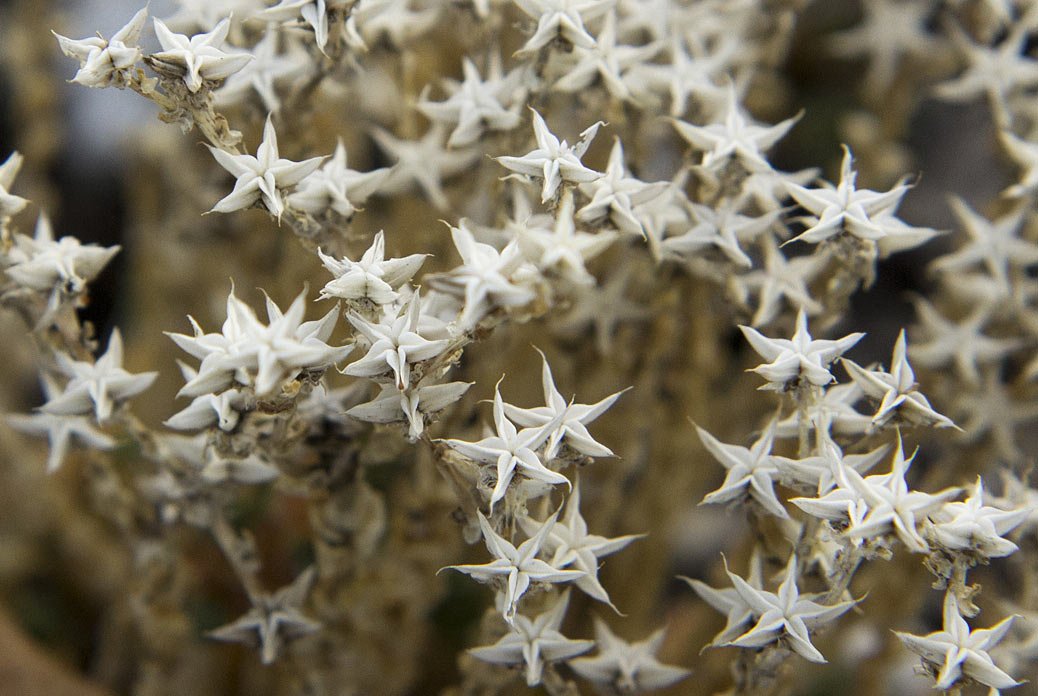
pixel 535 642
pixel 799 358
pixel 106 62
pixel 416 404
pixel 866 214
pixel 553 160
pixel 730 602
pixel 263 177
pixel 313 12
pixel 721 227
pixel 627 668
pixel 889 505
pixel 196 59
pixel 750 472
pixel 832 411
pixel 273 619
pixel 485 277
pixel 571 419
pixel 993 71
pixel 781 278
pixel 957 653
pixel 373 277
pixel 991 411
pixel 616 193
pixel 511 449
pixel 513 569
pixel 261 75
pixel 562 249
pixel 896 391
pixel 736 139
pixel 336 187
pixel 424 162
pixel 607 61
pixel 395 344
pixel 972 527
pixel 59 429
pixel 98 385
pixel 561 19
pixel 263 356
pixel 785 616
pixel 571 545
pixel 476 105
pixel 10 203
pixel 823 471
pixel 223 409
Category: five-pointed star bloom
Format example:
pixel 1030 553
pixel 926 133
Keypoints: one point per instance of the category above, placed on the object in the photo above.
pixel 416 404
pixel 534 642
pixel 395 344
pixel 10 203
pixel 196 59
pixel 485 277
pixel 223 409
pixel 63 267
pixel 561 19
pixel 511 449
pixel 736 139
pixel 103 63
pixel 600 309
pixel 571 419
pixel 730 602
pixel 889 505
pixel 571 545
pixel 59 429
pixel 607 61
pixel 862 213
pixel 821 473
pixel 336 187
pixel 261 75
pixel 781 278
pixel 690 77
pixel 273 619
pixel 424 162
pixel 797 359
pixel 263 177
pixel 991 411
pixel 563 249
pixel 785 616
pixel 98 385
pixel 263 356
pixel 996 244
pixel 896 391
pixel 960 343
pixel 972 527
pixel 313 12
pixel 993 71
pixel 515 568
pixel 956 652
pixel 721 227
pixel 833 411
pixel 627 668
pixel 750 472
pixel 373 277
pixel 1025 154
pixel 553 160
pixel 616 194
pixel 476 105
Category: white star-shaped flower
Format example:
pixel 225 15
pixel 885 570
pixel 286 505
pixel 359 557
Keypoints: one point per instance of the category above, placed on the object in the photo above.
pixel 627 668
pixel 751 472
pixel 60 430
pixel 736 139
pixel 98 385
pixel 562 249
pixel 511 450
pixel 10 203
pixel 616 193
pixel 263 177
pixel 781 278
pixel 424 162
pixel 223 409
pixel 561 19
pixel 274 619
pixel 476 105
pixel 262 74
pixel 607 61
pixel 571 419
pixel 196 59
pixel 957 653
pixel 896 391
pixel 866 214
pixel 395 344
pixel 571 545
pixel 336 187
pixel 534 642
pixel 785 616
pixel 799 358
pixel 416 404
pixel 513 569
pixel 972 527
pixel 554 160
pixel 730 602
pixel 373 277
pixel 832 411
pixel 106 62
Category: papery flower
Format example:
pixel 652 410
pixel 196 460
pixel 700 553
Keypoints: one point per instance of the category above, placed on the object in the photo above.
pixel 198 58
pixel 336 187
pixel 627 668
pixel 109 62
pixel 373 277
pixel 10 203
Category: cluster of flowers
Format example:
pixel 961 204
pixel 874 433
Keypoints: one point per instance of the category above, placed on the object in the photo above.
pixel 559 244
